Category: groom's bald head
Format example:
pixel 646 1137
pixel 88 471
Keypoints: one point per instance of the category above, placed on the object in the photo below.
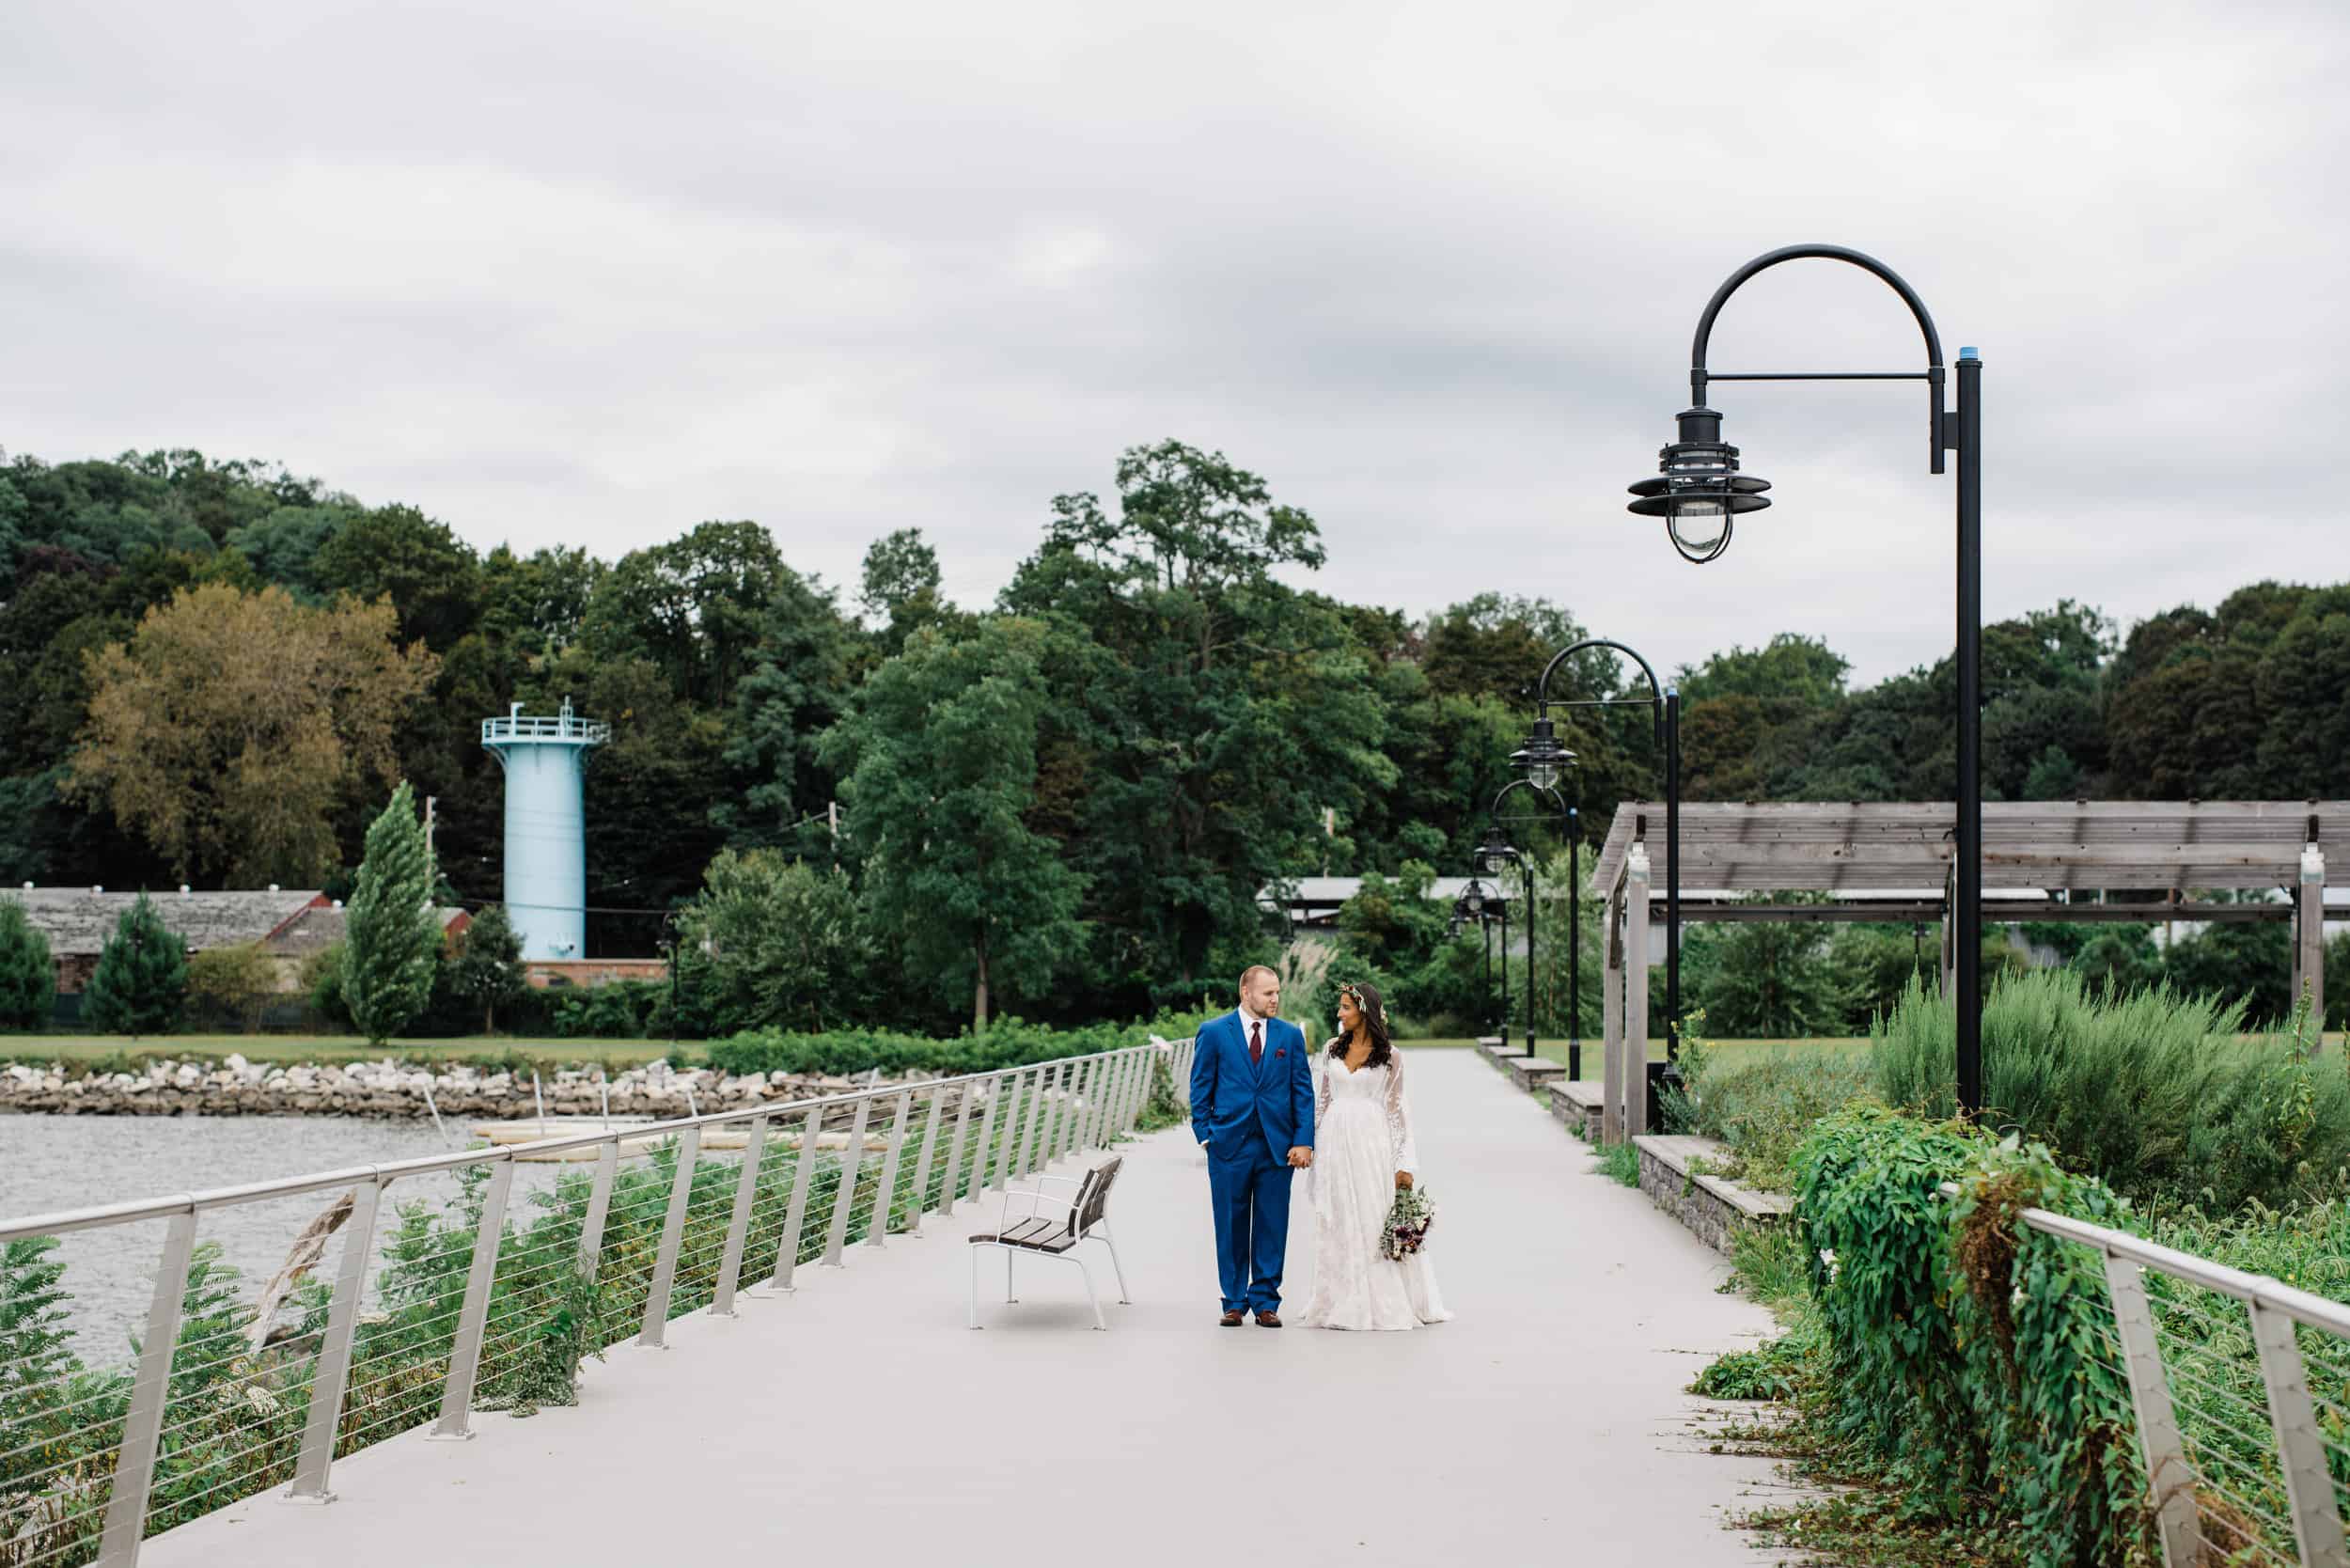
pixel 1261 991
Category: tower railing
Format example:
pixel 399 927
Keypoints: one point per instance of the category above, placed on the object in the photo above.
pixel 563 728
pixel 94 1460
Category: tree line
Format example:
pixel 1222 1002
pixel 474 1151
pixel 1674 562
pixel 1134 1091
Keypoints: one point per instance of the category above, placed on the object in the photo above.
pixel 1062 804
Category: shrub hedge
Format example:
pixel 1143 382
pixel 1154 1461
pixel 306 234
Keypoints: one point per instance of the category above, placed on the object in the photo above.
pixel 1009 1042
pixel 2157 1095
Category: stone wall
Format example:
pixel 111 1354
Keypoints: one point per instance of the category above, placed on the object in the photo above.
pixel 389 1090
pixel 1711 1207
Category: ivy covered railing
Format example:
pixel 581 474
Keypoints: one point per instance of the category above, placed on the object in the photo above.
pixel 2011 1353
pixel 454 1309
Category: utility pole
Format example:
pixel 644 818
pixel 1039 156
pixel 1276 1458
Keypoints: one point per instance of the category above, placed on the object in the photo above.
pixel 430 801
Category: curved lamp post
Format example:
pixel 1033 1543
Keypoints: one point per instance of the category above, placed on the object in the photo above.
pixel 1470 906
pixel 1539 757
pixel 1495 856
pixel 1701 493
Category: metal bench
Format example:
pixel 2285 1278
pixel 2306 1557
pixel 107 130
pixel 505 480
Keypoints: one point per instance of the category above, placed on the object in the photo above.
pixel 1084 1218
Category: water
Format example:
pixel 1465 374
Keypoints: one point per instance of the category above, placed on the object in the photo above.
pixel 49 1163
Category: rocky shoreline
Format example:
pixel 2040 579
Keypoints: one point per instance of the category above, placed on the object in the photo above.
pixel 389 1090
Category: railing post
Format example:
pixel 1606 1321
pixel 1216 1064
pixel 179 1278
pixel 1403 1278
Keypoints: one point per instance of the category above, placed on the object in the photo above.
pixel 2310 1491
pixel 333 1376
pixel 465 1359
pixel 150 1390
pixel 599 1207
pixel 1039 1106
pixel 985 1155
pixel 888 1193
pixel 788 1250
pixel 922 1162
pixel 1100 1076
pixel 739 1223
pixel 851 1163
pixel 1044 1125
pixel 948 1197
pixel 654 1335
pixel 1060 1109
pixel 1008 1148
pixel 2168 1475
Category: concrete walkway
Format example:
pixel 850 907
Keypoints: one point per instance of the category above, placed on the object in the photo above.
pixel 858 1420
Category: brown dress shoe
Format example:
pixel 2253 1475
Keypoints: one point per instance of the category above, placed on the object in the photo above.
pixel 1268 1320
pixel 1229 1320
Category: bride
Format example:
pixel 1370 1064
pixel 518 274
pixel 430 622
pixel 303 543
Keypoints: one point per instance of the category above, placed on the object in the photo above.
pixel 1362 1154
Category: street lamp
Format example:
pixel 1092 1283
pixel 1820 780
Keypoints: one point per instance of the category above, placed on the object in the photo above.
pixel 1664 703
pixel 1543 759
pixel 1495 856
pixel 1472 905
pixel 1700 493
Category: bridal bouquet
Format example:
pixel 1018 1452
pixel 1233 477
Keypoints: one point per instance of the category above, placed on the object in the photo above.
pixel 1407 1224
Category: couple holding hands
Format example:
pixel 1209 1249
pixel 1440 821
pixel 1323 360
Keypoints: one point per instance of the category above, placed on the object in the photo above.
pixel 1264 1107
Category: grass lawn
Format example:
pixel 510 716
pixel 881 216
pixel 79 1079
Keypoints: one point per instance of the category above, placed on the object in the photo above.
pixel 1593 1067
pixel 323 1050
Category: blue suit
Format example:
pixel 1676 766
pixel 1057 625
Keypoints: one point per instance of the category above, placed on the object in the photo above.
pixel 1249 1116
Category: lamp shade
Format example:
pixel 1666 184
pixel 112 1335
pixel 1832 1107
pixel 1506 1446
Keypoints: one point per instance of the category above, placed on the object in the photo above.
pixel 1543 759
pixel 1698 490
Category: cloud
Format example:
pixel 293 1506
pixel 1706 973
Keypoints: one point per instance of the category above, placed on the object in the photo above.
pixel 592 276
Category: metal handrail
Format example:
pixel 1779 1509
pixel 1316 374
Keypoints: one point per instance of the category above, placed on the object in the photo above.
pixel 2274 1307
pixel 565 729
pixel 1072 1103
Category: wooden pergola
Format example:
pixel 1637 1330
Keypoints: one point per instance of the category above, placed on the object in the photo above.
pixel 1892 861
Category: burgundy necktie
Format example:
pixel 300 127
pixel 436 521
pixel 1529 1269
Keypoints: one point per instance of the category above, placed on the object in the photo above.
pixel 1256 1045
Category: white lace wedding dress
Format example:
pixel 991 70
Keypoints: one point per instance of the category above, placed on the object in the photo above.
pixel 1362 1138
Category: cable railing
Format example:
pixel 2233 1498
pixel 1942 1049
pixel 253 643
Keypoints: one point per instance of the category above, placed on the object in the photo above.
pixel 2241 1388
pixel 421 1322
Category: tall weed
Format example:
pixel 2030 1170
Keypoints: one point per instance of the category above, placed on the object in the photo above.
pixel 2157 1095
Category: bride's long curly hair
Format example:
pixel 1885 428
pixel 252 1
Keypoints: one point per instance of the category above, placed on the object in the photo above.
pixel 1374 1009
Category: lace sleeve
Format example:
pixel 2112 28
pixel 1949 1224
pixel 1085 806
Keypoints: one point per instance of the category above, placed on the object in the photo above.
pixel 1399 1117
pixel 1321 1086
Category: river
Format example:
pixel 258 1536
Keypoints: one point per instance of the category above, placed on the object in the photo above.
pixel 48 1163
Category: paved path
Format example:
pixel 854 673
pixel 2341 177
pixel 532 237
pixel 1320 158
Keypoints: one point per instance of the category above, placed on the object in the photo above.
pixel 859 1421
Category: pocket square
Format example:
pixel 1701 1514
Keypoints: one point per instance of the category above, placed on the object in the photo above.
pixel 1280 1050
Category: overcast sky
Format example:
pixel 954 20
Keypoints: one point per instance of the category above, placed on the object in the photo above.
pixel 596 271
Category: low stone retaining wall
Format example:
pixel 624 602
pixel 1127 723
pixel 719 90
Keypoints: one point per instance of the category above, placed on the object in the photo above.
pixel 389 1090
pixel 1577 1103
pixel 1713 1207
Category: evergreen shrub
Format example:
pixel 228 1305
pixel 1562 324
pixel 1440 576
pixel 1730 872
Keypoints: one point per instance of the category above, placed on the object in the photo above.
pixel 140 984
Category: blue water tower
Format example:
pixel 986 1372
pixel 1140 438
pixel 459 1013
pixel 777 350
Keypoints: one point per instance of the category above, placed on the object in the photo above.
pixel 546 830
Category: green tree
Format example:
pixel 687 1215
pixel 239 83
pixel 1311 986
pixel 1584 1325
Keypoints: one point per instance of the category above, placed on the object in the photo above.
pixel 773 943
pixel 488 968
pixel 392 935
pixel 284 547
pixel 900 586
pixel 692 606
pixel 1772 979
pixel 535 604
pixel 232 982
pixel 1204 716
pixel 28 975
pixel 433 579
pixel 800 680
pixel 941 758
pixel 141 982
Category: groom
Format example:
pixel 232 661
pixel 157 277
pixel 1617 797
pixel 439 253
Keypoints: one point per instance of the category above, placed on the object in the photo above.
pixel 1252 1109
